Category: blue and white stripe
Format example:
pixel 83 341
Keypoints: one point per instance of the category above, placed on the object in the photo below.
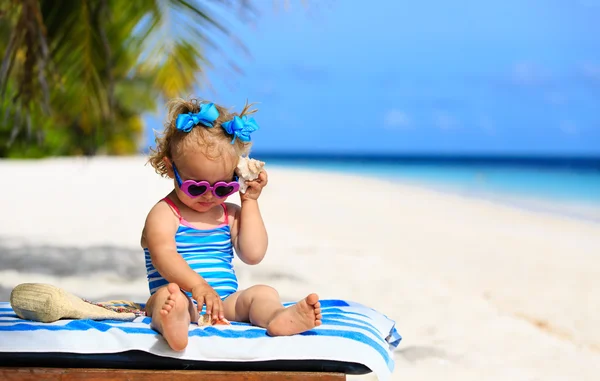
pixel 350 332
pixel 208 252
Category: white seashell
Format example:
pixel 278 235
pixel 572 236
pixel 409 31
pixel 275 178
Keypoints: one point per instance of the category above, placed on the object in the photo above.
pixel 248 169
pixel 207 320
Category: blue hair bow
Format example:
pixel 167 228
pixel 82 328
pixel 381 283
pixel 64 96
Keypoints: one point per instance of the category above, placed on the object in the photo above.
pixel 206 116
pixel 240 128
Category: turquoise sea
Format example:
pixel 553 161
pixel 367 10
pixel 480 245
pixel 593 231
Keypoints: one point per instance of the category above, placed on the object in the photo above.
pixel 564 185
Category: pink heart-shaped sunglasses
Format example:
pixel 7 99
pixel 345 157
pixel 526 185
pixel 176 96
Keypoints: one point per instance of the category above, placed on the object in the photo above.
pixel 193 189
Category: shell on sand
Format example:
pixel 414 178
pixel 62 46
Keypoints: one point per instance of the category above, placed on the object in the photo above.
pixel 248 169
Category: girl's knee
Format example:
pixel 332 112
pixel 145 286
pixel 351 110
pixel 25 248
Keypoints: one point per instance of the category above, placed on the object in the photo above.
pixel 250 294
pixel 263 290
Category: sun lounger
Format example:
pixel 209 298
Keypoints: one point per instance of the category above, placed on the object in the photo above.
pixel 353 339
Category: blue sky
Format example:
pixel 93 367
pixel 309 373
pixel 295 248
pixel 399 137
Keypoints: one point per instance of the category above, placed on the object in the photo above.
pixel 399 76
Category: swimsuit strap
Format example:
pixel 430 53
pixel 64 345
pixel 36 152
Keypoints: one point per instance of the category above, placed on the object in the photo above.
pixel 226 214
pixel 173 206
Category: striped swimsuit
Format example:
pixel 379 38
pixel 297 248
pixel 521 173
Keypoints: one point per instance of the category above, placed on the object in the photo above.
pixel 209 252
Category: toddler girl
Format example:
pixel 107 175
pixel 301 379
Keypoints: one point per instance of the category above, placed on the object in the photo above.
pixel 190 235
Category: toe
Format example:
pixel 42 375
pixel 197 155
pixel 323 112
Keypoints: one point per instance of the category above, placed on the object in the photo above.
pixel 312 299
pixel 319 317
pixel 317 311
pixel 173 288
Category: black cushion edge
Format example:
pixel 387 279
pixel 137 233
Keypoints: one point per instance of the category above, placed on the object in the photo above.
pixel 143 360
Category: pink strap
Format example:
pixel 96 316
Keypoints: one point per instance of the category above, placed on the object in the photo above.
pixel 226 214
pixel 175 208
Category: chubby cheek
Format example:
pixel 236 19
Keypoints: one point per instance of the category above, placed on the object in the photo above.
pixel 220 200
pixel 183 197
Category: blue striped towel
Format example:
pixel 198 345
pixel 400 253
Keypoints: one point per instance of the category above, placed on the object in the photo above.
pixel 350 332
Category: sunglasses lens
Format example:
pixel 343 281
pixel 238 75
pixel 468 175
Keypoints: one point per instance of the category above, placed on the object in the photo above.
pixel 222 191
pixel 196 190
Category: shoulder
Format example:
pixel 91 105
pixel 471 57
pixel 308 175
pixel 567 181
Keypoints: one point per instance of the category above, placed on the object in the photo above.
pixel 161 217
pixel 160 222
pixel 160 210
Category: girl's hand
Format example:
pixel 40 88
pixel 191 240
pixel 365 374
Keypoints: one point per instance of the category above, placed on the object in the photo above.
pixel 204 294
pixel 255 187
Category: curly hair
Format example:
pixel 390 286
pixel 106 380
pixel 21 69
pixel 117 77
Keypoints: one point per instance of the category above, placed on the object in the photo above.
pixel 212 142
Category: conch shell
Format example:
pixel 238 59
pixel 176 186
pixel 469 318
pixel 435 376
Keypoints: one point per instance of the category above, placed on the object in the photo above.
pixel 207 320
pixel 248 169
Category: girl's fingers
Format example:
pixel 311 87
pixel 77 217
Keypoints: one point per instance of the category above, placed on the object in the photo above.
pixel 219 310
pixel 222 312
pixel 209 305
pixel 253 184
pixel 216 309
pixel 263 178
pixel 200 301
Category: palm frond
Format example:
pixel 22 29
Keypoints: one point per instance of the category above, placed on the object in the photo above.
pixel 79 73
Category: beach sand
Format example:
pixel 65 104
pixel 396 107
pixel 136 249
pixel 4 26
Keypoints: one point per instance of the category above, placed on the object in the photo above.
pixel 478 290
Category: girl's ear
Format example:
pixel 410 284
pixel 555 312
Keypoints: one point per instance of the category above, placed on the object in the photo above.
pixel 169 166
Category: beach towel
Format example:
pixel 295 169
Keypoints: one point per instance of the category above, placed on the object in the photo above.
pixel 350 333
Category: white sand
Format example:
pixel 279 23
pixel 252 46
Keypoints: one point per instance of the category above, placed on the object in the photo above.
pixel 478 290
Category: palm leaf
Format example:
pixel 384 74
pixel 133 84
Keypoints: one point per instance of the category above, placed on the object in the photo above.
pixel 98 64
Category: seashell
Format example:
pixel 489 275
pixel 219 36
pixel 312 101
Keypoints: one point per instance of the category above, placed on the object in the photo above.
pixel 205 320
pixel 47 303
pixel 248 169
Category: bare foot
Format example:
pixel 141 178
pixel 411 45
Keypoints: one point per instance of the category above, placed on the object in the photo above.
pixel 173 318
pixel 302 316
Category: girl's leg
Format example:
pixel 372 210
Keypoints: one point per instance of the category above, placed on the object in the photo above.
pixel 171 312
pixel 261 306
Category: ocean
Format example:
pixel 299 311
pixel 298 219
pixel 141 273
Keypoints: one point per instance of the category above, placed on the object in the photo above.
pixel 564 185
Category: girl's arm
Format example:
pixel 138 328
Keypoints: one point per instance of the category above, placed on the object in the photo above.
pixel 159 236
pixel 249 234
